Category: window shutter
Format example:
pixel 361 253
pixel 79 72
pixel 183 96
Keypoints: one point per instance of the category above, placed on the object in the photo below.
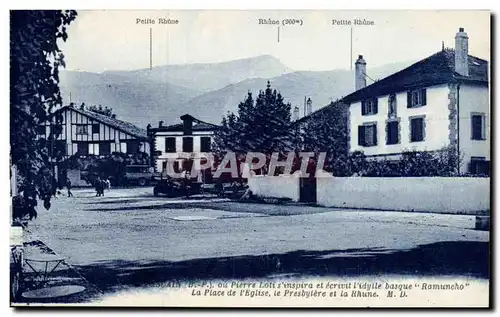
pixel 374 134
pixel 423 93
pixel 363 108
pixel 408 99
pixel 375 105
pixel 361 135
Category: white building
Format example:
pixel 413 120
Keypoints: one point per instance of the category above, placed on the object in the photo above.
pixel 440 101
pixel 186 143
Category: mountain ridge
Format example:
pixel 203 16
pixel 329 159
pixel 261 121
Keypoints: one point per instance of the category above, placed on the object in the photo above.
pixel 148 96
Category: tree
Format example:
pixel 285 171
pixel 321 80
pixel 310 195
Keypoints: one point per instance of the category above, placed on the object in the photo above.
pixel 326 131
pixel 35 59
pixel 108 112
pixel 262 125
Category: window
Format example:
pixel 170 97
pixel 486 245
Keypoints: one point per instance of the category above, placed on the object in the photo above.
pixel 170 145
pixel 392 132
pixel 95 128
pixel 187 144
pixel 392 109
pixel 417 98
pixel 105 148
pixel 83 148
pixel 478 127
pixel 479 166
pixel 94 148
pixel 417 129
pixel 205 144
pixel 367 134
pixel 133 147
pixel 82 129
pixel 369 106
pixel 123 147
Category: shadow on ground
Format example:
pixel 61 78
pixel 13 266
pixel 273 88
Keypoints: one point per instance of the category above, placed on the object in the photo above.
pixel 437 259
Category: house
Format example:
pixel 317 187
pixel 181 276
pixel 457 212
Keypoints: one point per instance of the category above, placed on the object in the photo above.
pixel 440 101
pixel 85 134
pixel 186 143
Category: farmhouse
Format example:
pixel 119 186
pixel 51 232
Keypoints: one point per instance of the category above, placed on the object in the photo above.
pixel 85 135
pixel 440 101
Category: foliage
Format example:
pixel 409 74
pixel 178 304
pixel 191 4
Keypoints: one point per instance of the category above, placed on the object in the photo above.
pixel 444 162
pixel 326 131
pixel 108 112
pixel 262 125
pixel 35 59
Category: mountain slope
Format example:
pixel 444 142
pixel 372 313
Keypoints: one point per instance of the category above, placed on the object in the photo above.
pixel 212 76
pixel 136 101
pixel 321 86
pixel 167 92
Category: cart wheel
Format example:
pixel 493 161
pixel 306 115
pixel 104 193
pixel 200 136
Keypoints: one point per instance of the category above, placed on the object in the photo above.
pixel 143 182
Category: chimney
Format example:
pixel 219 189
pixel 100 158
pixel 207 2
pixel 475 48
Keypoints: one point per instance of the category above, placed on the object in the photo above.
pixel 160 124
pixel 309 106
pixel 462 53
pixel 187 122
pixel 360 73
pixel 296 113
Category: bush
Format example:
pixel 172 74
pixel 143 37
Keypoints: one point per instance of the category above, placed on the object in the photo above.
pixel 444 162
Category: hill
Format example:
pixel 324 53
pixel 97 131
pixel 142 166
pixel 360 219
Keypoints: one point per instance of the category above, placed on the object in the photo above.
pixel 206 91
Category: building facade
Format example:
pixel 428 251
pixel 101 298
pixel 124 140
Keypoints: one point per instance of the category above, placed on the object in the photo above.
pixel 86 136
pixel 438 102
pixel 83 133
pixel 186 143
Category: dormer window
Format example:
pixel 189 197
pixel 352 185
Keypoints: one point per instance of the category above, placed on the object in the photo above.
pixel 417 98
pixel 369 107
pixel 392 113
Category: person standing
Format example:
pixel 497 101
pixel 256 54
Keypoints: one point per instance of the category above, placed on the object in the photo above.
pixel 98 186
pixel 68 186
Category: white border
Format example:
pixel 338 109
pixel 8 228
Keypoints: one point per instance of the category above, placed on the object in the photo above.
pixel 192 4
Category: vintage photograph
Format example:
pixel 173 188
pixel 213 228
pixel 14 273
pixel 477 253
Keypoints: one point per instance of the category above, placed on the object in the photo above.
pixel 245 158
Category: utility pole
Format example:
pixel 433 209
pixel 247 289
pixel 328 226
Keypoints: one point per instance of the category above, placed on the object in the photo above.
pixel 150 48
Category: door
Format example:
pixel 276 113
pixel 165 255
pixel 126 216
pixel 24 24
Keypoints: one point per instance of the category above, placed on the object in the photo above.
pixel 307 189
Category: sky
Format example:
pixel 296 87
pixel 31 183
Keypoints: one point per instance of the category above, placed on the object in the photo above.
pixel 113 40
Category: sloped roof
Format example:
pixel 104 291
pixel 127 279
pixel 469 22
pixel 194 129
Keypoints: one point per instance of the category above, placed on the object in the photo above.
pixel 436 69
pixel 198 125
pixel 123 126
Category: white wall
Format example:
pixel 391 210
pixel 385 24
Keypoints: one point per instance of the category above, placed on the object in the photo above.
pixel 473 99
pixel 275 186
pixel 436 123
pixel 424 194
pixel 75 178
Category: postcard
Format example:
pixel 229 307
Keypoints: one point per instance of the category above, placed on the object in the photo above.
pixel 250 158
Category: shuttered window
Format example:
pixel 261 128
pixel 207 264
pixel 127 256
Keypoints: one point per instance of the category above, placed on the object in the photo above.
pixel 205 142
pixel 187 144
pixel 369 106
pixel 417 129
pixel 170 145
pixel 477 127
pixel 367 135
pixel 392 132
pixel 417 98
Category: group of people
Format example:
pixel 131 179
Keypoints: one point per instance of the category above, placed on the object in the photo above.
pixel 100 185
